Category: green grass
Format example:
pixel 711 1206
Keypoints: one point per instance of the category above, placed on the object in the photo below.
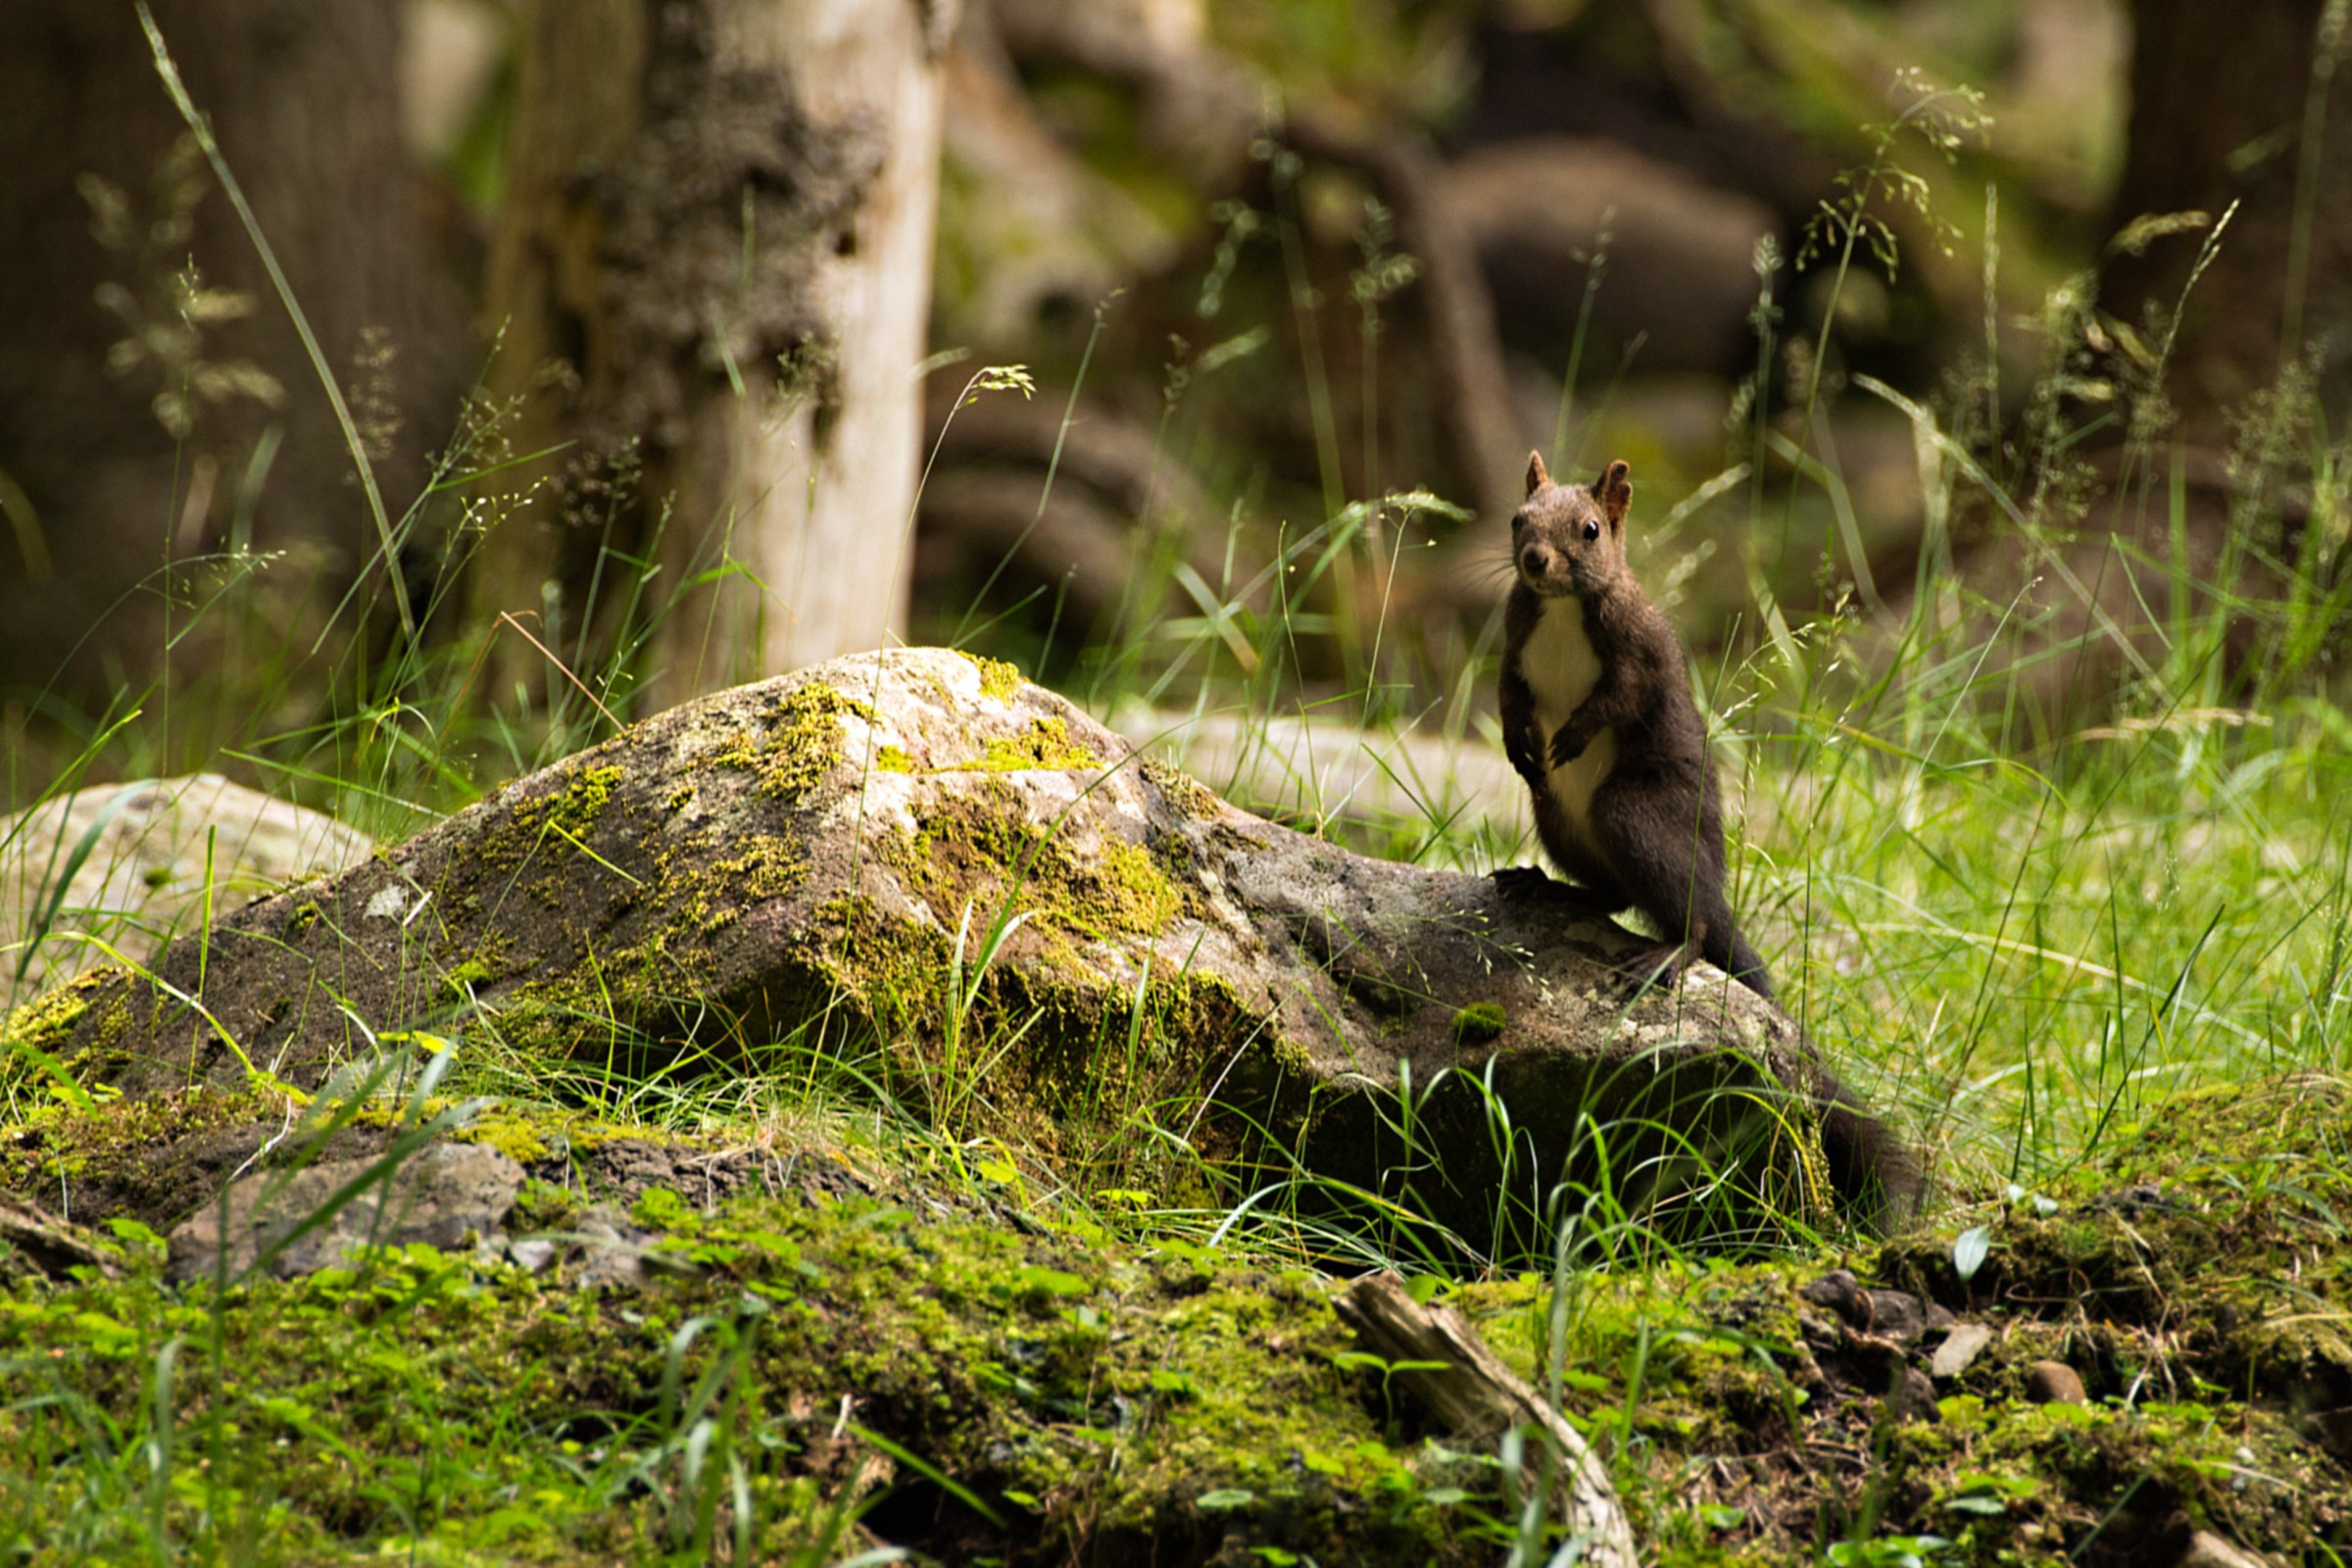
pixel 2016 932
pixel 2021 930
pixel 2028 949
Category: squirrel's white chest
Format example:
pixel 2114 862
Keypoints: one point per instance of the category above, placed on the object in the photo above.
pixel 1558 662
pixel 1560 667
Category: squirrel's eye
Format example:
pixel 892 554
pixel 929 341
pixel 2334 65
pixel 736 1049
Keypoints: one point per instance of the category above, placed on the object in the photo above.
pixel 1592 529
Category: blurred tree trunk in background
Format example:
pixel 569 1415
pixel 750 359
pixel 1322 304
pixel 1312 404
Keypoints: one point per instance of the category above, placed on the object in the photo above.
pixel 712 272
pixel 2223 101
pixel 141 422
pixel 2229 106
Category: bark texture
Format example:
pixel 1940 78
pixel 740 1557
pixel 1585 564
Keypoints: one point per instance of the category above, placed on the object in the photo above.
pixel 2221 100
pixel 715 263
pixel 1469 1391
pixel 2210 516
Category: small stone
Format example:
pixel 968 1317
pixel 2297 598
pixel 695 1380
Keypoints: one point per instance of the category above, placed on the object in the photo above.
pixel 1821 1331
pixel 615 1249
pixel 1895 1316
pixel 2209 1550
pixel 1842 1294
pixel 1915 1399
pixel 1959 1347
pixel 532 1254
pixel 445 1195
pixel 1889 1315
pixel 2054 1383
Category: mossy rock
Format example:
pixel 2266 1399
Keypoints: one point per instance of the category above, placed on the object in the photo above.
pixel 1035 934
pixel 142 859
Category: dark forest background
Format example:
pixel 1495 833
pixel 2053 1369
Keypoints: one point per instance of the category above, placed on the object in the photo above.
pixel 632 325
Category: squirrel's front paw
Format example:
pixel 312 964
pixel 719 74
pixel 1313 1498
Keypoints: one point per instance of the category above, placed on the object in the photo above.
pixel 1525 755
pixel 1566 747
pixel 1521 881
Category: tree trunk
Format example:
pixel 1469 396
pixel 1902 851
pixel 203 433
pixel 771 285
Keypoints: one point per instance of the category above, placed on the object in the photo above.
pixel 717 234
pixel 2194 511
pixel 131 437
pixel 2221 101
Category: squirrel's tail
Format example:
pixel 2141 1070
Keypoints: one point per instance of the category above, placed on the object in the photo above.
pixel 1873 1170
pixel 1739 960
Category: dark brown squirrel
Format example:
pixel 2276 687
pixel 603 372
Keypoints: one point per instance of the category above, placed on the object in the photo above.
pixel 1598 717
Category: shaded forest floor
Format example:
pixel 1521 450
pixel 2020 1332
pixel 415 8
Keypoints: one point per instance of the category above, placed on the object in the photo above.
pixel 875 1340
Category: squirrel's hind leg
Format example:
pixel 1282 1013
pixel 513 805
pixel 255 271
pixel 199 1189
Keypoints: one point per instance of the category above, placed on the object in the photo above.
pixel 1661 966
pixel 1532 882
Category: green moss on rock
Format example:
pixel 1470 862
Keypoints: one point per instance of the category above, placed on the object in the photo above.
pixel 572 811
pixel 1045 743
pixel 768 868
pixel 461 982
pixel 46 1022
pixel 1183 791
pixel 798 742
pixel 998 679
pixel 978 847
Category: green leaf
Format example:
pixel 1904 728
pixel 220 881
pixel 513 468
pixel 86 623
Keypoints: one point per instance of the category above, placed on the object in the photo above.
pixel 1992 1507
pixel 1970 1249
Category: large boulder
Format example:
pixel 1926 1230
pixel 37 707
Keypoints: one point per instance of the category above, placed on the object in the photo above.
pixel 918 866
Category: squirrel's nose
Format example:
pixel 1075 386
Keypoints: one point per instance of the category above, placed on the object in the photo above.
pixel 1532 561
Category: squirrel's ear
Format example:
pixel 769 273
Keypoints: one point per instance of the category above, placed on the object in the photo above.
pixel 1613 492
pixel 1537 478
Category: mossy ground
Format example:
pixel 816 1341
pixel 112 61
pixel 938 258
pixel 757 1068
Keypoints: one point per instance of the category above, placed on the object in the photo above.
pixel 2193 1277
pixel 974 1390
pixel 974 1375
pixel 41 1027
pixel 996 1376
pixel 1734 1446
